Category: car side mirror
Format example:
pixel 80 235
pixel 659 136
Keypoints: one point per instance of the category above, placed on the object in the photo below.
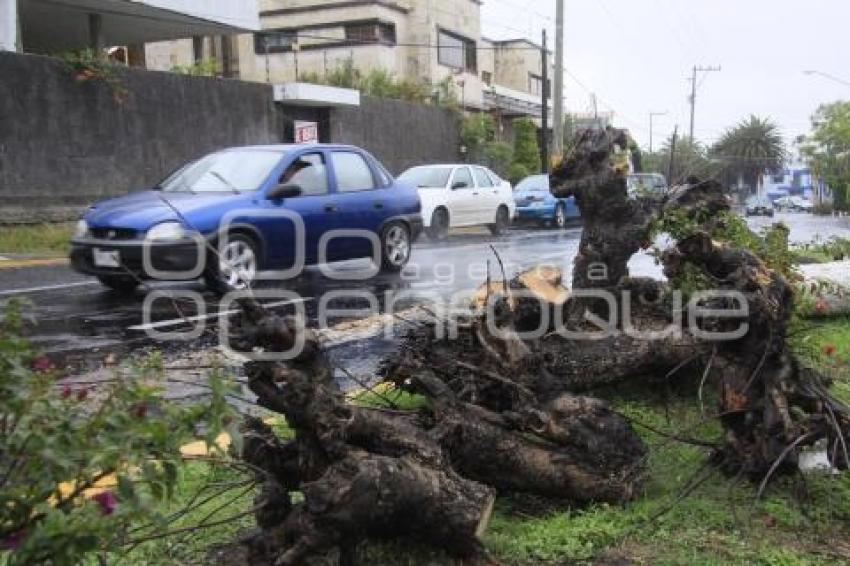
pixel 284 190
pixel 460 185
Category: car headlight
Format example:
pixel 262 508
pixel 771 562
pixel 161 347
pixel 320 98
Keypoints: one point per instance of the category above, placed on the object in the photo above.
pixel 166 231
pixel 82 229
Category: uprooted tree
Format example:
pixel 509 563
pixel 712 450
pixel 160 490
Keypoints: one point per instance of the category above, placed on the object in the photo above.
pixel 505 411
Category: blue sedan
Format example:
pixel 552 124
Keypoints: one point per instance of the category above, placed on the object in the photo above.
pixel 534 202
pixel 235 213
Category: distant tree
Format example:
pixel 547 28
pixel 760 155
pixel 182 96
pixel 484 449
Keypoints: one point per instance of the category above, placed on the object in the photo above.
pixel 526 148
pixel 690 160
pixel 749 149
pixel 827 149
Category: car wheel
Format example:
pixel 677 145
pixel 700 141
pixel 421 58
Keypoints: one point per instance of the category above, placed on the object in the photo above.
pixel 120 283
pixel 503 220
pixel 439 228
pixel 235 267
pixel 395 247
pixel 559 221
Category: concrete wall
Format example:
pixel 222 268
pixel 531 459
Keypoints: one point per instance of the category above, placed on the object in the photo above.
pixel 65 143
pixel 398 133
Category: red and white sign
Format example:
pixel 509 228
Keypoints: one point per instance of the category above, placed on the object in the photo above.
pixel 306 132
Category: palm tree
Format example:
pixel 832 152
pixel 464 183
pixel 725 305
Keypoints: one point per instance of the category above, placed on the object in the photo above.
pixel 749 149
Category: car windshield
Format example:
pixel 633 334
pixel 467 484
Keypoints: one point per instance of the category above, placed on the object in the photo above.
pixel 228 171
pixel 537 183
pixel 427 177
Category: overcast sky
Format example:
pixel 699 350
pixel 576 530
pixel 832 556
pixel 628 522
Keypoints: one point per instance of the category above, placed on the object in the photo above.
pixel 636 55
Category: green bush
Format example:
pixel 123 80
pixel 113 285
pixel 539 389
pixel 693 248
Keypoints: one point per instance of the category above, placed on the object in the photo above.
pixel 526 148
pixel 498 157
pixel 343 76
pixel 517 172
pixel 204 68
pixel 379 83
pixel 59 443
pixel 476 131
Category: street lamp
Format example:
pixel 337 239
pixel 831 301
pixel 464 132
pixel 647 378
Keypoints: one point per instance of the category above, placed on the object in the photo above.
pixel 651 116
pixel 828 76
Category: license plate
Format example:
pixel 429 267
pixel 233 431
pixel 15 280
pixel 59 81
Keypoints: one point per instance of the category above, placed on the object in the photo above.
pixel 106 258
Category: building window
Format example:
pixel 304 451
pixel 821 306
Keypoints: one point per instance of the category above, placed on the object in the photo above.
pixel 275 41
pixel 487 77
pixel 535 85
pixel 371 33
pixel 456 51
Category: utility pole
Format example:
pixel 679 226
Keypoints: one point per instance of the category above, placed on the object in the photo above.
pixel 651 116
pixel 693 79
pixel 558 118
pixel 544 144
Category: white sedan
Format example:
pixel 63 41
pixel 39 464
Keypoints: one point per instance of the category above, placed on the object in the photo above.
pixel 454 196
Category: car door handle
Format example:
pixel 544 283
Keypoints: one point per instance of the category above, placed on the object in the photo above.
pixel 379 205
pixel 474 193
pixel 330 208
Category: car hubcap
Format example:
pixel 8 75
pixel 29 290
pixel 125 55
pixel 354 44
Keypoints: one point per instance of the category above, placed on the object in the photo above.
pixel 560 217
pixel 238 264
pixel 397 245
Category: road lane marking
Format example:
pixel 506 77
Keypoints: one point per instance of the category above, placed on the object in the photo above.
pixel 42 262
pixel 45 288
pixel 198 318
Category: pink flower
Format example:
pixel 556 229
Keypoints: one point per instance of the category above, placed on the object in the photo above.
pixel 14 541
pixel 82 394
pixel 829 350
pixel 42 364
pixel 140 410
pixel 67 392
pixel 107 502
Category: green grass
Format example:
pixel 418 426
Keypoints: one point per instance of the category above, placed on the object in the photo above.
pixel 194 547
pixel 36 238
pixel 826 345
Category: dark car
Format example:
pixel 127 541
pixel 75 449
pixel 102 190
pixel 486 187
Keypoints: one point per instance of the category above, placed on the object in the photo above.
pixel 236 212
pixel 760 206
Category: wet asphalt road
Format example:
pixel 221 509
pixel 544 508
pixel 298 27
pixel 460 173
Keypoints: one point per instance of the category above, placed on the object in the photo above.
pixel 78 320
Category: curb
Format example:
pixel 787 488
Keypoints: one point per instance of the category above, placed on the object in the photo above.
pixel 8 263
